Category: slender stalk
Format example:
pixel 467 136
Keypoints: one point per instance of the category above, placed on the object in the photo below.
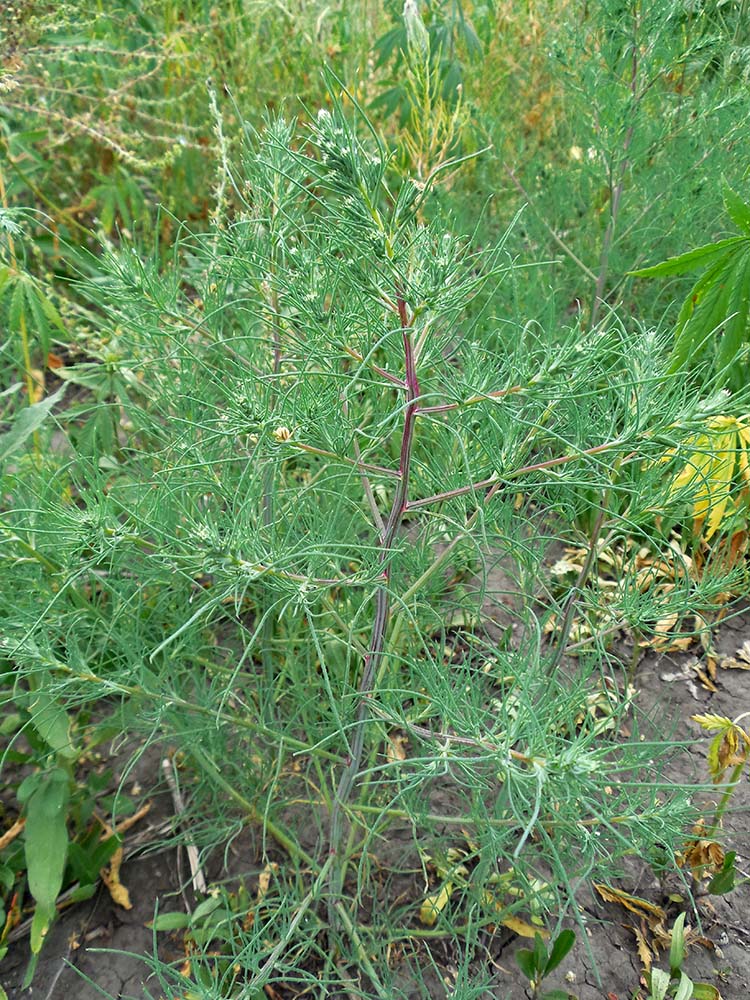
pixel 497 394
pixel 729 789
pixel 577 590
pixel 23 332
pixel 382 599
pixel 616 189
pixel 495 482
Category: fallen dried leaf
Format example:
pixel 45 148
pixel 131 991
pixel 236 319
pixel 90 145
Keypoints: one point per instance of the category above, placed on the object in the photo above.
pixel 264 879
pixel 653 914
pixel 396 748
pixel 644 952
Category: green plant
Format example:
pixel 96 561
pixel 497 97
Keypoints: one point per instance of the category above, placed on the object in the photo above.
pixel 676 984
pixel 730 747
pixel 719 301
pixel 57 842
pixel 315 423
pixel 537 963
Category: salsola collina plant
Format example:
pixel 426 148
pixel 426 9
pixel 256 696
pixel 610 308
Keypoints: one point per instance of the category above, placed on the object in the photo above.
pixel 322 435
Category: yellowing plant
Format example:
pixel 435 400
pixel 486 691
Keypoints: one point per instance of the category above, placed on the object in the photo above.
pixel 717 456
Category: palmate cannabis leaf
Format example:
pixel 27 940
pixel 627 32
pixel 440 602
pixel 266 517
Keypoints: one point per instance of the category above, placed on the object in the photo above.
pixel 717 460
pixel 730 746
pixel 720 298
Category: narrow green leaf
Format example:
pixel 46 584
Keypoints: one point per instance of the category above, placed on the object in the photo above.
pixel 560 948
pixel 50 311
pixel 692 332
pixel 540 952
pixel 39 324
pixel 700 257
pixel 83 892
pixel 16 309
pixel 205 908
pixel 5 279
pixel 46 845
pixel 30 970
pixel 555 995
pixel 737 209
pixel 677 946
pixel 28 421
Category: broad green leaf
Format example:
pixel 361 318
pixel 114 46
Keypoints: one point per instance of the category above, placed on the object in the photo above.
pixel 46 845
pixel 555 995
pixel 170 921
pixel 704 991
pixel 737 209
pixel 51 721
pixel 723 881
pixel 677 946
pixel 700 257
pixel 86 862
pixel 560 948
pixel 40 924
pixel 28 421
pixel 526 962
pixel 660 981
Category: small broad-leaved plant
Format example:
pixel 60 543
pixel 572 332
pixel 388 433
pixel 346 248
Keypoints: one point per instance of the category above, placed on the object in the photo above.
pixel 676 984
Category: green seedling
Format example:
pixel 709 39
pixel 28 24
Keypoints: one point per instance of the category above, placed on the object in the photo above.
pixel 538 962
pixel 676 984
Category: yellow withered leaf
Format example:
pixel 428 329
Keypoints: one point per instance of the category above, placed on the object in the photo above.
pixel 523 929
pixel 714 457
pixel 709 721
pixel 264 879
pixel 704 856
pixel 434 904
pixel 728 748
pixel 651 913
pixel 111 878
pixel 395 748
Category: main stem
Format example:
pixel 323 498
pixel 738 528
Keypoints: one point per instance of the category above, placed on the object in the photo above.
pixel 374 656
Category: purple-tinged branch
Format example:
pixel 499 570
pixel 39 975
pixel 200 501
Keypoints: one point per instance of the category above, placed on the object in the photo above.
pixel 495 481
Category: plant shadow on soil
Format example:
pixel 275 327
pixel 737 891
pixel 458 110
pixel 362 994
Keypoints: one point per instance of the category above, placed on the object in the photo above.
pixel 98 949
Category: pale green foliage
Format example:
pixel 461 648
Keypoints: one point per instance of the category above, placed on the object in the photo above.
pixel 207 547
